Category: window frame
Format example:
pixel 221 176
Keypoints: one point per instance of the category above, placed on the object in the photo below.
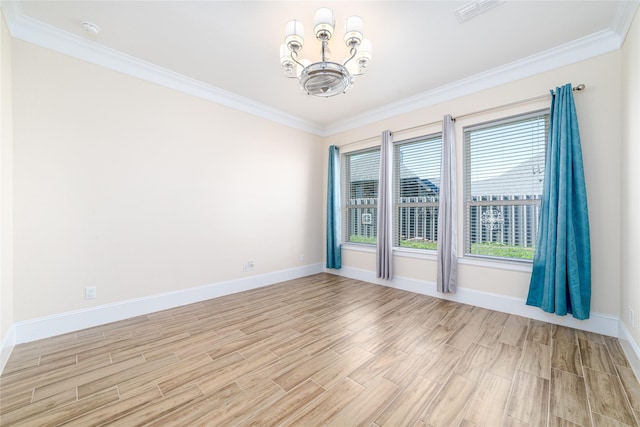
pixel 398 204
pixel 467 203
pixel 346 206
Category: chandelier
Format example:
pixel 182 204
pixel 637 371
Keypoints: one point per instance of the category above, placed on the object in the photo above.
pixel 325 78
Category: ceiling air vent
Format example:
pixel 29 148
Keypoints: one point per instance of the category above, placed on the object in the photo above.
pixel 475 8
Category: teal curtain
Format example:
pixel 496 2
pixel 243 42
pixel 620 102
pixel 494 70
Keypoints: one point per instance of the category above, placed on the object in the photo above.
pixel 334 255
pixel 561 276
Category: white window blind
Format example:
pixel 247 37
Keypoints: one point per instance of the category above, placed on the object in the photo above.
pixel 416 177
pixel 504 174
pixel 361 172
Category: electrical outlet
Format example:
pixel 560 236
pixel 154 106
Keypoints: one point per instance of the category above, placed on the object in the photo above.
pixel 631 317
pixel 301 257
pixel 90 292
pixel 247 266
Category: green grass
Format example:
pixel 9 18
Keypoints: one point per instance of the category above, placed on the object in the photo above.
pixel 488 249
pixel 362 239
pixel 416 244
pixel 413 244
pixel 500 250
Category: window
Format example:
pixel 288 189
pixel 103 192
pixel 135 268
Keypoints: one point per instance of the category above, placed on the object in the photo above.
pixel 361 172
pixel 504 173
pixel 416 177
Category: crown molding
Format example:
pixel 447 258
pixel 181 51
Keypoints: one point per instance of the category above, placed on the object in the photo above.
pixel 36 32
pixel 12 11
pixel 25 28
pixel 578 50
pixel 569 53
pixel 624 18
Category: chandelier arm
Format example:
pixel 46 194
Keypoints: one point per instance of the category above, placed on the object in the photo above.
pixel 353 53
pixel 294 55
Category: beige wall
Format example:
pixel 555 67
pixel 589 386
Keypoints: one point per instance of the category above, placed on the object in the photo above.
pixel 630 209
pixel 599 116
pixel 139 190
pixel 6 142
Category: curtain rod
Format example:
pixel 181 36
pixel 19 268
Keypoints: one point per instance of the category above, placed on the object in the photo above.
pixel 578 88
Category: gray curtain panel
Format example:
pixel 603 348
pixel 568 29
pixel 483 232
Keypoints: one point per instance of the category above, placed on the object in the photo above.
pixel 384 245
pixel 448 212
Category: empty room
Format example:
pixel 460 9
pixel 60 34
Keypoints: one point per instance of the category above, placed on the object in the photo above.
pixel 384 213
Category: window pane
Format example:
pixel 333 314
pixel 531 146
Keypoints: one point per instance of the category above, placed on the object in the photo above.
pixel 508 158
pixel 503 230
pixel 362 224
pixel 416 186
pixel 504 177
pixel 361 170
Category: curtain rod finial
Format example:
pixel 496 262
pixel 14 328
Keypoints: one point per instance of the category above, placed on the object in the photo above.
pixel 580 87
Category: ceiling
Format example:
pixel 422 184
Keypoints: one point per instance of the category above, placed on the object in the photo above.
pixel 227 51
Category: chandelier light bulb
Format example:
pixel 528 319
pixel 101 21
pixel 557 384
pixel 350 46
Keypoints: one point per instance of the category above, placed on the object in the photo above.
pixel 364 56
pixel 288 65
pixel 366 49
pixel 324 15
pixel 353 31
pixel 294 28
pixel 323 23
pixel 294 38
pixel 284 54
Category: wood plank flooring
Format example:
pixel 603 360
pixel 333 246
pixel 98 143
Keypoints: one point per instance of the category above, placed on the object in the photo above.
pixel 322 350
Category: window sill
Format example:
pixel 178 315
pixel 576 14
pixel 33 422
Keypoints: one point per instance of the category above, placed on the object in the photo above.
pixel 359 248
pixel 523 266
pixel 397 251
pixel 415 253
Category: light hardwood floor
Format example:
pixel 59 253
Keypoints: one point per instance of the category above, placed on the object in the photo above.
pixel 322 350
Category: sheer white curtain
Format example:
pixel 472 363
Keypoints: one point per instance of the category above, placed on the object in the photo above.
pixel 448 212
pixel 384 247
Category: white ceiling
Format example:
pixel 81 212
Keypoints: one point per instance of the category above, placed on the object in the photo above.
pixel 227 51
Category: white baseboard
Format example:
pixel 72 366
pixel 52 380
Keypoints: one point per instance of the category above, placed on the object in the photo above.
pixel 630 347
pixel 7 347
pixel 49 326
pixel 598 323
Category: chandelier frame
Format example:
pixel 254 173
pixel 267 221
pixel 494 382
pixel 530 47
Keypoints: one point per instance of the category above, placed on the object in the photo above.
pixel 325 78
